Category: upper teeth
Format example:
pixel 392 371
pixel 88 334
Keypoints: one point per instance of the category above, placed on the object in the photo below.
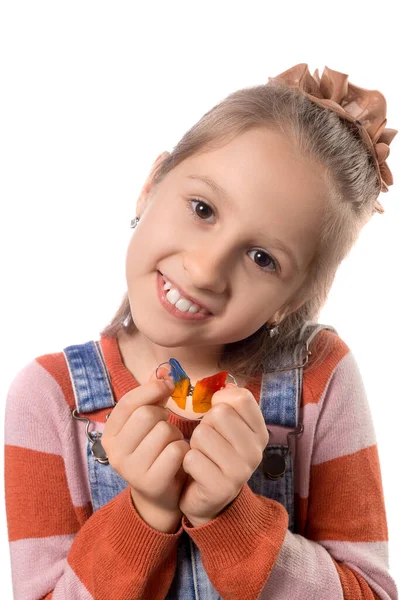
pixel 179 301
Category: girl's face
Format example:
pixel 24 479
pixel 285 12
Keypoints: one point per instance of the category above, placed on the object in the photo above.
pixel 225 248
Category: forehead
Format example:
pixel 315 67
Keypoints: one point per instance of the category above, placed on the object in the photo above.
pixel 260 161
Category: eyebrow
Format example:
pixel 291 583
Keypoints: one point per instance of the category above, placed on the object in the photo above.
pixel 223 194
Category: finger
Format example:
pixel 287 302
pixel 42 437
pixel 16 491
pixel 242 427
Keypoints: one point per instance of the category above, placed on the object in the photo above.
pixel 138 426
pixel 231 427
pixel 243 402
pixel 152 443
pixel 154 392
pixel 215 447
pixel 204 471
pixel 162 372
pixel 167 465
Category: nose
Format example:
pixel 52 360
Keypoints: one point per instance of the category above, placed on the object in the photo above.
pixel 208 269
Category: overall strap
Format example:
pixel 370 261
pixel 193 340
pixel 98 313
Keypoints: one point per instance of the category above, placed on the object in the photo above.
pixel 280 394
pixel 89 377
pixel 92 390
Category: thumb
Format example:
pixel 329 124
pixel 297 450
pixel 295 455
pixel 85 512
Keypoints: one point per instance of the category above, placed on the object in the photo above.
pixel 162 374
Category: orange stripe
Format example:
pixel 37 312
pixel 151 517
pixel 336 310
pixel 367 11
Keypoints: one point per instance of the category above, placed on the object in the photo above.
pixel 83 513
pixel 327 349
pixel 38 501
pixel 346 499
pixel 354 586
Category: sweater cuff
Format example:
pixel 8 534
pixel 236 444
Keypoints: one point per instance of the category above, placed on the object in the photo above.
pixel 132 538
pixel 248 523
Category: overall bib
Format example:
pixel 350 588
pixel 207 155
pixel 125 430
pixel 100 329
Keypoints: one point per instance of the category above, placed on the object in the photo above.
pixel 280 397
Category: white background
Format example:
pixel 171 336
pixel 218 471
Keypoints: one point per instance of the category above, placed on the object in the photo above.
pixel 93 92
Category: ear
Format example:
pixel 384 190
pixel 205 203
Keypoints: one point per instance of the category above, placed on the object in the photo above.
pixel 143 196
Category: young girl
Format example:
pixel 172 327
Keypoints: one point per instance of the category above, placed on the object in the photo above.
pixel 122 485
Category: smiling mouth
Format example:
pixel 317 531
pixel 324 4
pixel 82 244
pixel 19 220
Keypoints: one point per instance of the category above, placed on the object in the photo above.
pixel 174 310
pixel 179 299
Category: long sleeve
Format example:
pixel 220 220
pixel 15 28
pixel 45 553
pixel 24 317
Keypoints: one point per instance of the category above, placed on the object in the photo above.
pixel 59 548
pixel 249 553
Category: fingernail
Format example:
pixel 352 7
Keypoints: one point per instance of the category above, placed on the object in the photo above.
pixel 230 385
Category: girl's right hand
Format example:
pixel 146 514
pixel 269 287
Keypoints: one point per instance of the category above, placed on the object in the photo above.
pixel 147 451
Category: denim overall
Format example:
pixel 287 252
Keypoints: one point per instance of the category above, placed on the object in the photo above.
pixel 280 397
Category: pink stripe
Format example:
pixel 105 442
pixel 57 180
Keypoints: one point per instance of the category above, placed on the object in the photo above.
pixel 39 565
pixel 303 570
pixel 70 587
pixel 35 410
pixel 370 560
pixel 345 424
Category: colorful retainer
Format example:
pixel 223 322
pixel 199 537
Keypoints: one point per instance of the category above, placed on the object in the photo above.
pixel 202 392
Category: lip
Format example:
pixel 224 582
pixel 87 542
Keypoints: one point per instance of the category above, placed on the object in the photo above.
pixel 186 316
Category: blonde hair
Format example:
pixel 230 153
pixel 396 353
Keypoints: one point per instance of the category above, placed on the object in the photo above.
pixel 352 185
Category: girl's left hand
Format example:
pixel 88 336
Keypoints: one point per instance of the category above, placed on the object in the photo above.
pixel 225 450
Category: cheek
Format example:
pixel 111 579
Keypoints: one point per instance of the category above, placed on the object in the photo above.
pixel 251 316
pixel 129 257
pixel 154 239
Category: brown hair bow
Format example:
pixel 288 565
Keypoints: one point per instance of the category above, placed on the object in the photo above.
pixel 366 108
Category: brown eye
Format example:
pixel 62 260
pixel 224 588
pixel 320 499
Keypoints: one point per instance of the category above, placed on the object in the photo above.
pixel 263 260
pixel 201 210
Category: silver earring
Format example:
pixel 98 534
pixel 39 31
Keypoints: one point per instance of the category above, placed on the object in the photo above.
pixel 134 222
pixel 272 330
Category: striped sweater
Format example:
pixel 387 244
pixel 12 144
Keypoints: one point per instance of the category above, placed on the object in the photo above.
pixel 61 550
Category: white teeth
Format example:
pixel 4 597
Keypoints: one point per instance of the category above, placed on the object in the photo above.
pixel 183 304
pixel 173 296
